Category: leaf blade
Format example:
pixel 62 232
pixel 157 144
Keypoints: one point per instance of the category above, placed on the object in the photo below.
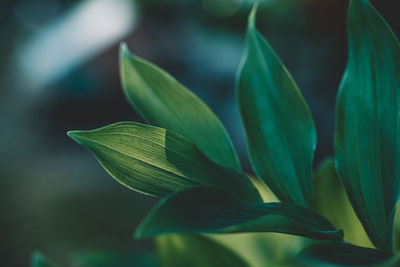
pixel 166 103
pixel 211 210
pixel 280 131
pixel 156 162
pixel 367 139
pixel 331 201
pixel 196 251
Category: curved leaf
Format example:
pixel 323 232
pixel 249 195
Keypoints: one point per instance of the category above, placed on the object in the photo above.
pixel 156 162
pixel 39 260
pixel 280 131
pixel 195 251
pixel 164 102
pixel 344 254
pixel 211 210
pixel 331 201
pixel 367 141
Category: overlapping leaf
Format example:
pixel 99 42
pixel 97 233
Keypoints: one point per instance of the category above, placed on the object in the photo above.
pixel 156 162
pixel 345 254
pixel 367 141
pixel 211 210
pixel 280 131
pixel 331 201
pixel 164 102
pixel 195 251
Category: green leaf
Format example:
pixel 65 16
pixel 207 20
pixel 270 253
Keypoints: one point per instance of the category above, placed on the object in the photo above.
pixel 367 141
pixel 164 102
pixel 280 131
pixel 261 249
pixel 156 162
pixel 331 201
pixel 39 260
pixel 114 258
pixel 344 254
pixel 211 210
pixel 195 251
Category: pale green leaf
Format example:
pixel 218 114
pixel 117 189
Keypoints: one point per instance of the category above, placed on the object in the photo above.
pixel 156 162
pixel 280 131
pixel 331 201
pixel 164 102
pixel 211 210
pixel 195 251
pixel 367 141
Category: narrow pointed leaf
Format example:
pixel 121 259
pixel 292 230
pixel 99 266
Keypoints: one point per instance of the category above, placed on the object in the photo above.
pixel 39 260
pixel 211 210
pixel 331 201
pixel 156 162
pixel 194 251
pixel 166 103
pixel 280 131
pixel 367 140
pixel 345 254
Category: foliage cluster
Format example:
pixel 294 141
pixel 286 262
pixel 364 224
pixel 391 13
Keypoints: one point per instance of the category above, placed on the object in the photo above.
pixel 185 157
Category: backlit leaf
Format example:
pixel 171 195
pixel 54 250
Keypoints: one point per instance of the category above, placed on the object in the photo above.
pixel 156 162
pixel 194 251
pixel 211 210
pixel 331 201
pixel 280 131
pixel 166 103
pixel 367 141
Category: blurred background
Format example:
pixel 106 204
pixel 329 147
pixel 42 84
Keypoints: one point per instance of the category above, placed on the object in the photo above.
pixel 59 72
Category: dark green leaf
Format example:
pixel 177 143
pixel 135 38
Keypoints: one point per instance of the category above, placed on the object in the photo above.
pixel 164 102
pixel 367 141
pixel 280 131
pixel 331 201
pixel 38 260
pixel 211 210
pixel 344 254
pixel 195 251
pixel 113 258
pixel 156 162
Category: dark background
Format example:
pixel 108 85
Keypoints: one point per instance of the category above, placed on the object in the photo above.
pixel 59 72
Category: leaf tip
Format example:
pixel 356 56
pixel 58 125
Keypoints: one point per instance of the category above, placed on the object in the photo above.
pixel 77 136
pixel 252 16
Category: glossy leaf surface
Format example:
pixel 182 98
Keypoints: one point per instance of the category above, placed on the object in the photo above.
pixel 331 201
pixel 367 141
pixel 211 210
pixel 345 254
pixel 195 251
pixel 156 162
pixel 280 131
pixel 164 102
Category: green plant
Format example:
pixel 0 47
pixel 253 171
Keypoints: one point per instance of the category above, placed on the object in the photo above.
pixel 187 158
